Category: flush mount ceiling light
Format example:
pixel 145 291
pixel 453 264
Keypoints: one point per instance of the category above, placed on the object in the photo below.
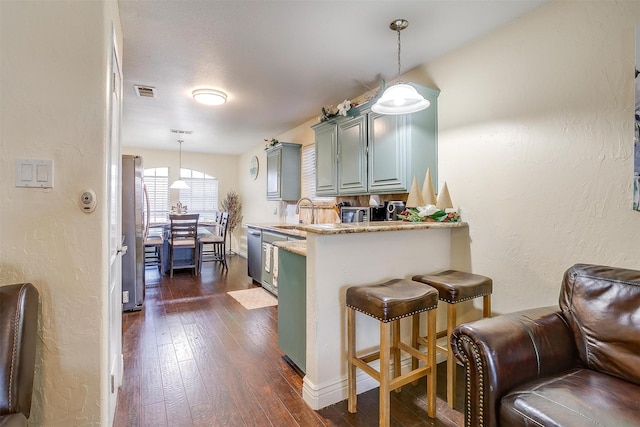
pixel 209 96
pixel 400 98
pixel 179 184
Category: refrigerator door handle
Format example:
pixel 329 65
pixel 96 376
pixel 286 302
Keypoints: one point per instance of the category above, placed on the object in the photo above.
pixel 145 214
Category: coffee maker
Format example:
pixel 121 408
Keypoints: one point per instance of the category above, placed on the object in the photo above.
pixel 393 208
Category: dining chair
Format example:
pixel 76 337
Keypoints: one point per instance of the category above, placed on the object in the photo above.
pixel 153 249
pixel 213 247
pixel 183 235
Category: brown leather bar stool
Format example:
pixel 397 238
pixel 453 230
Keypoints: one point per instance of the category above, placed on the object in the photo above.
pixel 453 287
pixel 389 302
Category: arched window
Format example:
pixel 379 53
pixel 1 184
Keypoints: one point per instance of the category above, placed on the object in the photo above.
pixel 156 181
pixel 202 195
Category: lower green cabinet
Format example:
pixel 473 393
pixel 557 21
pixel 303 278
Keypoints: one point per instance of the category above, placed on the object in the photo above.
pixel 292 307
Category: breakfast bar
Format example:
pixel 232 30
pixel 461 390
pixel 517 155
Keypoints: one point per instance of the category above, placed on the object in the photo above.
pixel 346 254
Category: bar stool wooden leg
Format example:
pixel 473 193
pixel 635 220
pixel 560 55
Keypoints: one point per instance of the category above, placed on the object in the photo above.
pixel 415 335
pixel 351 352
pixel 397 365
pixel 451 360
pixel 385 397
pixel 486 306
pixel 431 356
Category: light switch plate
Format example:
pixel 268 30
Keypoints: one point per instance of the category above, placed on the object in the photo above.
pixel 37 173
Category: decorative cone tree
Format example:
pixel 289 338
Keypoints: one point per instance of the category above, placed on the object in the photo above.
pixel 233 206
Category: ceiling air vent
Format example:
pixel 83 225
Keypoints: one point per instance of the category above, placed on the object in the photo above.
pixel 145 91
pixel 181 132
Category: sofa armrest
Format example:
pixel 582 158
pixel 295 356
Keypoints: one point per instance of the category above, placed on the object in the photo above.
pixel 502 352
pixel 19 306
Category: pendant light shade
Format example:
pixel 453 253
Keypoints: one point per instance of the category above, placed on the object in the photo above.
pixel 400 98
pixel 179 184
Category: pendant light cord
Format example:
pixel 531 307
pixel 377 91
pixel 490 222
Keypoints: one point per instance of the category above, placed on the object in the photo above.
pixel 180 161
pixel 398 53
pixel 397 26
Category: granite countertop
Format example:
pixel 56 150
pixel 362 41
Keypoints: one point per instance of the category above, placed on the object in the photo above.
pixel 300 246
pixel 296 246
pixel 375 226
pixel 301 230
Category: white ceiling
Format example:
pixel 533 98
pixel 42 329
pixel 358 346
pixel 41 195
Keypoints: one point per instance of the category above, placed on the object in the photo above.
pixel 278 61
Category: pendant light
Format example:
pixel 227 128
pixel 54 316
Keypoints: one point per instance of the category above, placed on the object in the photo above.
pixel 400 98
pixel 179 184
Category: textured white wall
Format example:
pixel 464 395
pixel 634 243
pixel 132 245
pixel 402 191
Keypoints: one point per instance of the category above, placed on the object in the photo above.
pixel 536 144
pixel 54 106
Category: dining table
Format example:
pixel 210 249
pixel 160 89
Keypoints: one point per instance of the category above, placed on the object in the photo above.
pixel 205 229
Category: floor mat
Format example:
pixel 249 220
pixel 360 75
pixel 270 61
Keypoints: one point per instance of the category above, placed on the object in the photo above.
pixel 254 298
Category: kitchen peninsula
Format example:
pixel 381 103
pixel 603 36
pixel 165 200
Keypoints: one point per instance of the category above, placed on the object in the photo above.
pixel 342 255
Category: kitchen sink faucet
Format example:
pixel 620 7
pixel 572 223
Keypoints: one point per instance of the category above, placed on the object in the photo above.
pixel 313 208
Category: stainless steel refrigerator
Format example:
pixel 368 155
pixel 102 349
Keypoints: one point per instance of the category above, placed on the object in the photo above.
pixel 133 233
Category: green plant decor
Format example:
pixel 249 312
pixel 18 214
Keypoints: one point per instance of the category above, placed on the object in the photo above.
pixel 233 206
pixel 428 214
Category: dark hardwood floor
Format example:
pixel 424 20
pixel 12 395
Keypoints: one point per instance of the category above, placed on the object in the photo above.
pixel 195 357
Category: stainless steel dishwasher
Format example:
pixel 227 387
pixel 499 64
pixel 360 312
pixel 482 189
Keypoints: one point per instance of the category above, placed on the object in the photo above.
pixel 254 253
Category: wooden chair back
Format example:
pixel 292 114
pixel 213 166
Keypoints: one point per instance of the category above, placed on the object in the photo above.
pixel 224 224
pixel 184 228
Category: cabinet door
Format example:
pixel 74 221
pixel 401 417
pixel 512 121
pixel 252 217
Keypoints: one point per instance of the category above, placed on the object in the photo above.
pixel 326 156
pixel 274 162
pixel 352 156
pixel 388 153
pixel 292 307
pixel 283 172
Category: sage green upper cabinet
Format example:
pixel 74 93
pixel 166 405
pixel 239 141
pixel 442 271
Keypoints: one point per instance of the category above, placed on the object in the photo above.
pixel 403 146
pixel 283 171
pixel 352 155
pixel 326 159
pixel 341 156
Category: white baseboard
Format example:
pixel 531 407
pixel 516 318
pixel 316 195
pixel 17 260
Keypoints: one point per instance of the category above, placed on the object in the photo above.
pixel 330 393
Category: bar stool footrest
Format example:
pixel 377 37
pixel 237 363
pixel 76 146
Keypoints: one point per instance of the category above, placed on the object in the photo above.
pixel 359 363
pixel 405 379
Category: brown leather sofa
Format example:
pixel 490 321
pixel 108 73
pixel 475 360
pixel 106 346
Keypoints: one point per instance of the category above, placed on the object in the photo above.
pixel 576 365
pixel 18 332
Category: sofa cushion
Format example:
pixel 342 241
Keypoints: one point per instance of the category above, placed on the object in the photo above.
pixel 602 307
pixel 579 397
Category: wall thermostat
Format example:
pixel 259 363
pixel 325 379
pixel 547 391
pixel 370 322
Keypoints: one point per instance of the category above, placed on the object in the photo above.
pixel 88 201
